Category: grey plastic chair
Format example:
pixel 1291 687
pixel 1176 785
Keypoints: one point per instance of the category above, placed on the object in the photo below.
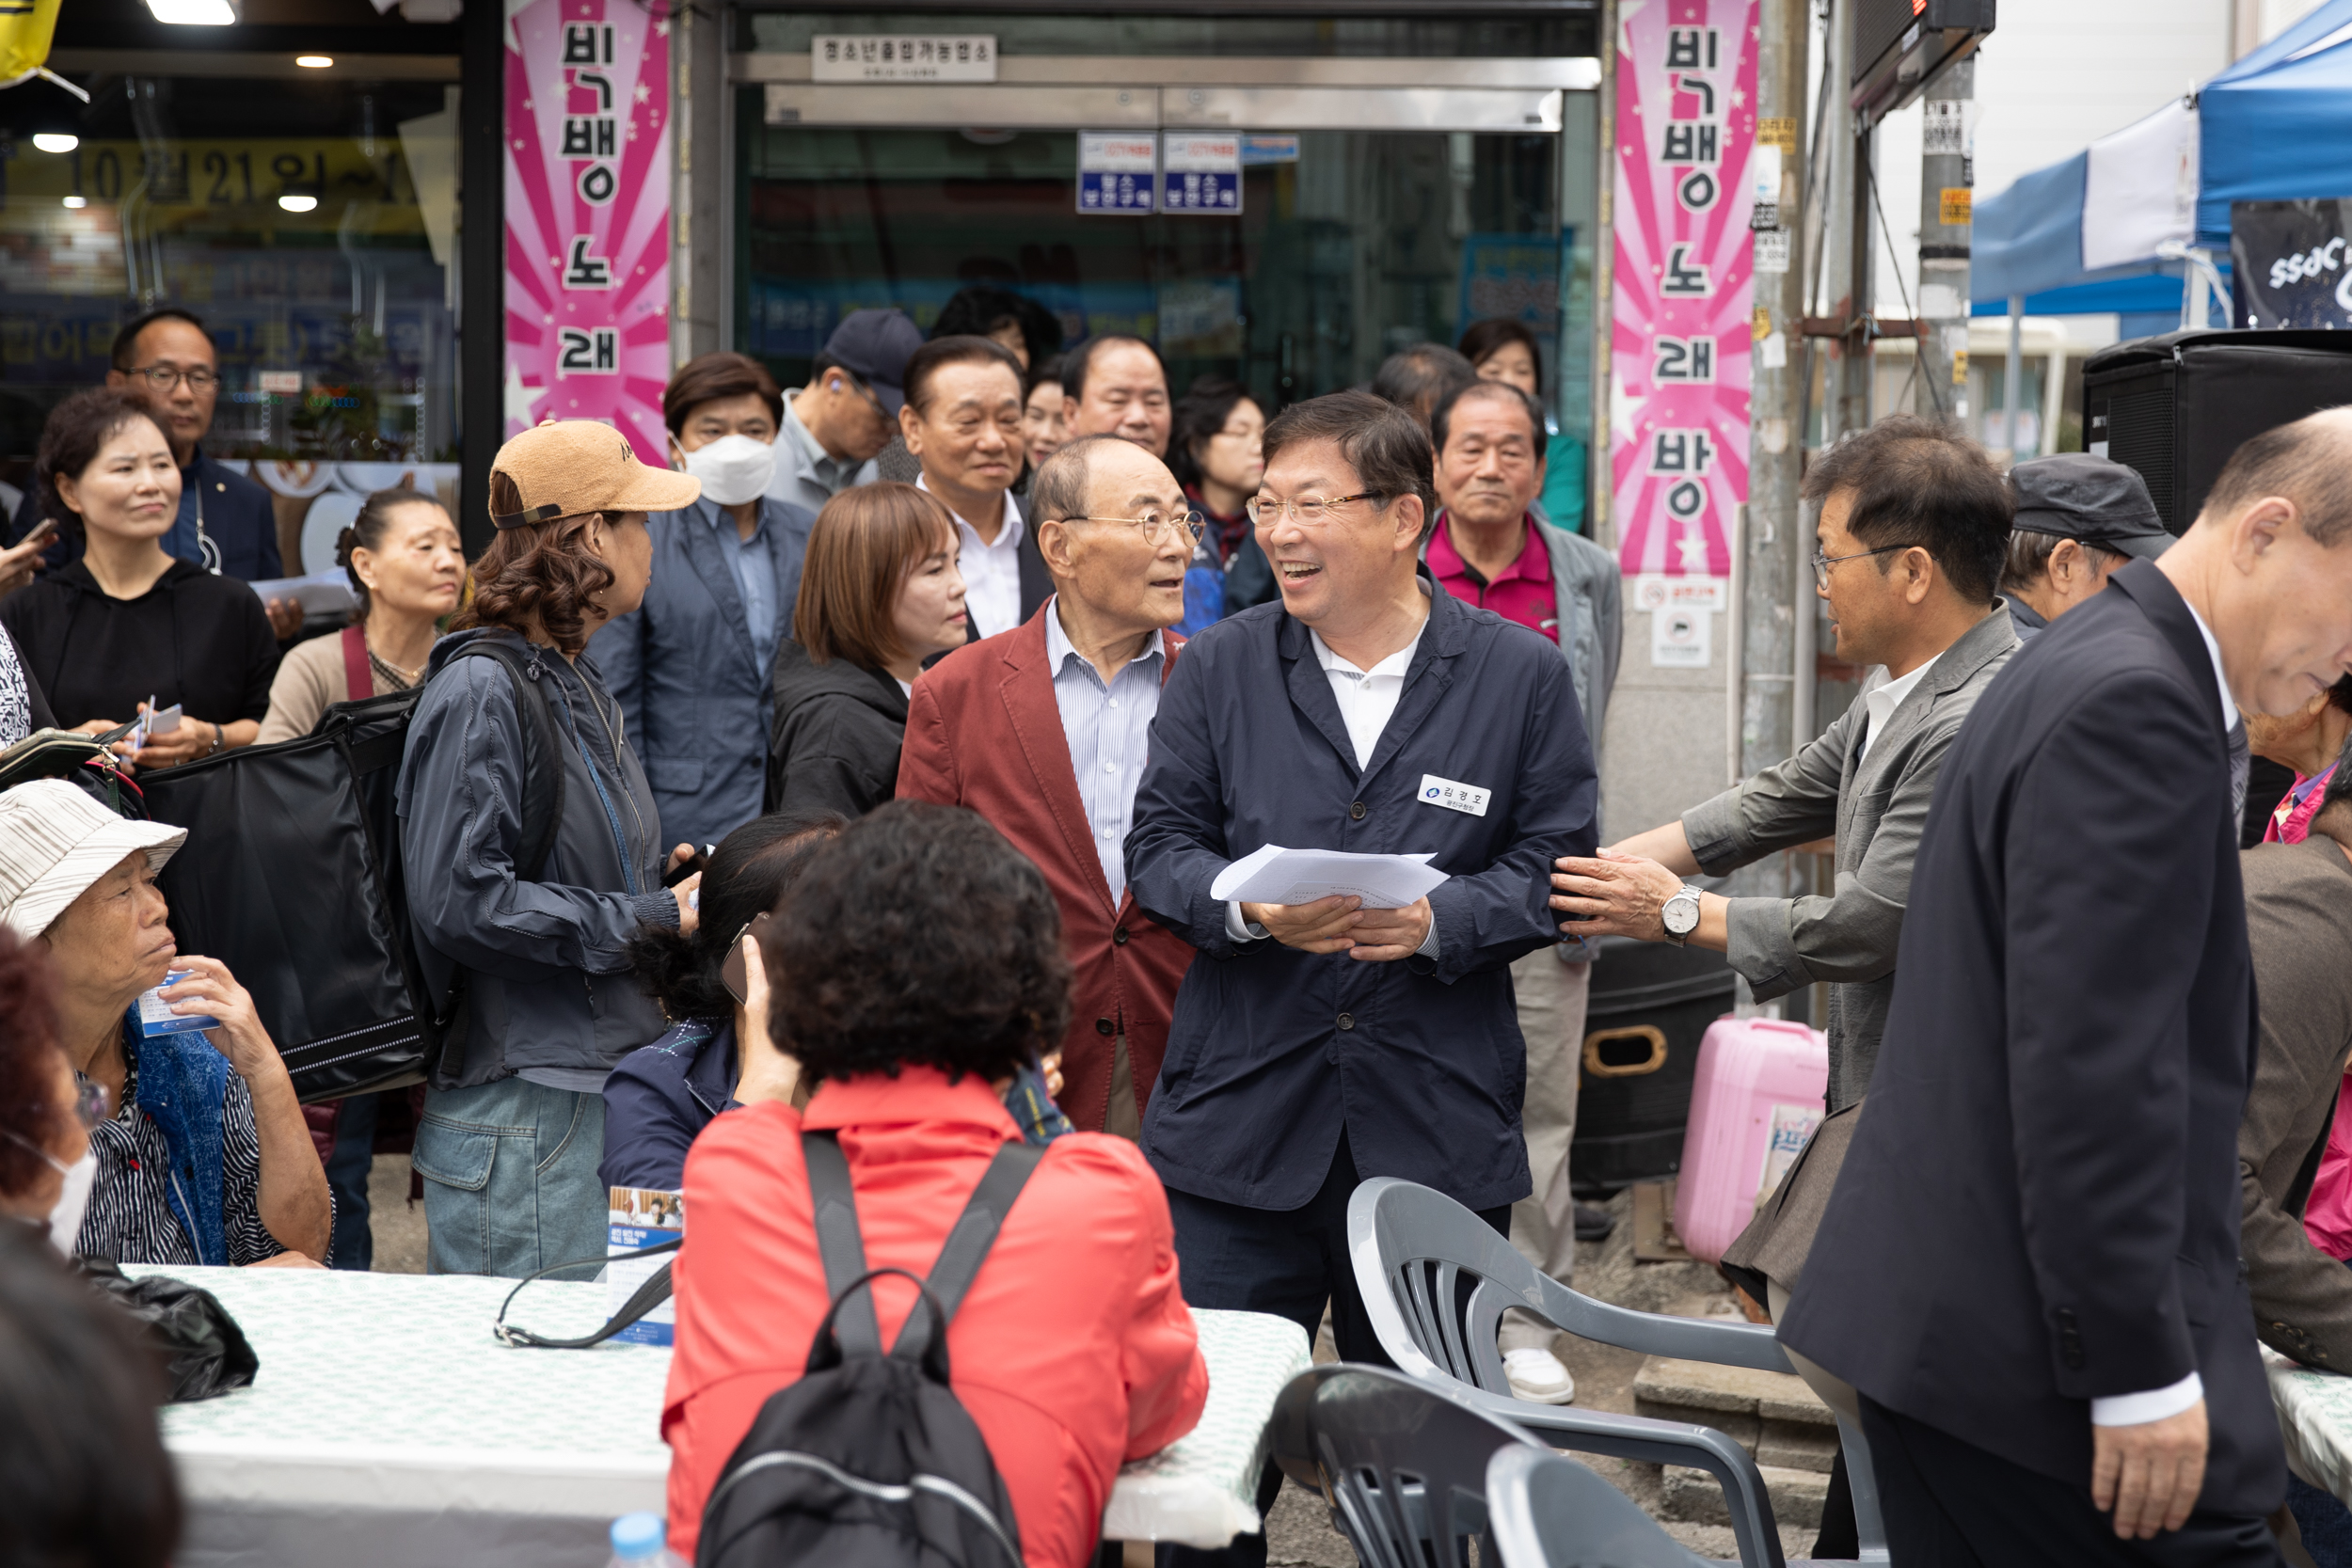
pixel 1544 1511
pixel 1435 1281
pixel 1403 1463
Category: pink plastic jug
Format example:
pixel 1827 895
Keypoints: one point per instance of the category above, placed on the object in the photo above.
pixel 1757 1098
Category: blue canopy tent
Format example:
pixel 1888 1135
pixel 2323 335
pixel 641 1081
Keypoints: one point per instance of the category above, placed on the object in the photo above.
pixel 2027 241
pixel 2278 125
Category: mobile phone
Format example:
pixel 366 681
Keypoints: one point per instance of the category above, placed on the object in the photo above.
pixel 687 867
pixel 732 972
pixel 41 532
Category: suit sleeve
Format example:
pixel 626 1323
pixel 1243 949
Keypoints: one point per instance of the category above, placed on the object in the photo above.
pixel 1491 917
pixel 619 649
pixel 2105 887
pixel 927 762
pixel 1782 944
pixel 1789 804
pixel 1177 846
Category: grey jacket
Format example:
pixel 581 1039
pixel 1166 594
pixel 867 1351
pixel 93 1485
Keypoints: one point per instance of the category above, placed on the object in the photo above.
pixel 803 479
pixel 1592 620
pixel 544 963
pixel 684 670
pixel 1876 808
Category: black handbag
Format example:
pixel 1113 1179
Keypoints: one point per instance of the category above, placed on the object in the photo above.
pixel 204 1353
pixel 79 759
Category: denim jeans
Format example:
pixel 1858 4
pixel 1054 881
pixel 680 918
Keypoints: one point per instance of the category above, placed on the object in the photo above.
pixel 510 1178
pixel 354 1246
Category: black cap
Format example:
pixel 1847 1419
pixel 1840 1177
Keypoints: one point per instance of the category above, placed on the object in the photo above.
pixel 2094 499
pixel 874 346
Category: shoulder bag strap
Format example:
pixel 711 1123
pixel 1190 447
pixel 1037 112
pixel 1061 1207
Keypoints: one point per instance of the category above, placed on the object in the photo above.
pixel 356 675
pixel 969 1240
pixel 543 761
pixel 652 1293
pixel 838 1242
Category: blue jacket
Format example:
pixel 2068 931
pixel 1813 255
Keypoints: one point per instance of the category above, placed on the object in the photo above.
pixel 546 963
pixel 1273 1053
pixel 684 669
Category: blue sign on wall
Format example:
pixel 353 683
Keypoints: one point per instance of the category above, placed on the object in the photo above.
pixel 1118 171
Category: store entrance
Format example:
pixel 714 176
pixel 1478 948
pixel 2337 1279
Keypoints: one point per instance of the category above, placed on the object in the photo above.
pixel 1382 204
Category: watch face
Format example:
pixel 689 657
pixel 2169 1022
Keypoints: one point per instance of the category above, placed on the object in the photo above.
pixel 1680 915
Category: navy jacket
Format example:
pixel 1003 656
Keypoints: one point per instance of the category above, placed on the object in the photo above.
pixel 240 523
pixel 660 1097
pixel 684 669
pixel 2041 1203
pixel 1272 1053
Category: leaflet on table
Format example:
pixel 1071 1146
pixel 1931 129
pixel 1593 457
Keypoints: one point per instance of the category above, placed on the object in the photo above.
pixel 1277 876
pixel 640 1217
pixel 320 594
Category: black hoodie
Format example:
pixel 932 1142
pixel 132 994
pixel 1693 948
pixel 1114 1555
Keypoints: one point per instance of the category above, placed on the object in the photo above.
pixel 837 729
pixel 193 639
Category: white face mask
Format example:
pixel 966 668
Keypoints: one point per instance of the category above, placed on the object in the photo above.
pixel 65 1220
pixel 733 468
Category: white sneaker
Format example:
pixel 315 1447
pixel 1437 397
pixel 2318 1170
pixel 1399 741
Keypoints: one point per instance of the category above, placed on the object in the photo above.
pixel 1537 1375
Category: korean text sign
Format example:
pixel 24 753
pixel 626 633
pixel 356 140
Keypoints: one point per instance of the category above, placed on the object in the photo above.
pixel 1680 332
pixel 588 217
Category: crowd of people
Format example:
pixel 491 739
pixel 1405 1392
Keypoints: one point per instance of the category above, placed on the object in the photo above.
pixel 853 787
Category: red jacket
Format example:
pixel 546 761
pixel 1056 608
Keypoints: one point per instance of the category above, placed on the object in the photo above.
pixel 1073 1351
pixel 983 731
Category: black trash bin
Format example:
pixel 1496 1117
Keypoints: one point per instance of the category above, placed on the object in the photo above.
pixel 1650 1005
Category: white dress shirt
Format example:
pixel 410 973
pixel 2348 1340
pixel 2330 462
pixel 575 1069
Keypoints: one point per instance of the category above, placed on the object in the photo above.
pixel 1367 699
pixel 1109 731
pixel 2155 1405
pixel 992 572
pixel 1879 703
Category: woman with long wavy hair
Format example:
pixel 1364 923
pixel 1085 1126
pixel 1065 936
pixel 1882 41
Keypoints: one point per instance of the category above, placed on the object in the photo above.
pixel 527 929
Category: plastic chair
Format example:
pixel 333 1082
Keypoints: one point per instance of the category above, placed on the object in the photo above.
pixel 1403 1463
pixel 1544 1511
pixel 1435 1281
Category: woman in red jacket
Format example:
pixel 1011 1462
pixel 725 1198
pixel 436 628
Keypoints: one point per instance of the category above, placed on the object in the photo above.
pixel 917 969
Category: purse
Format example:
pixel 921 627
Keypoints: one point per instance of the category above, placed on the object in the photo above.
pixel 81 759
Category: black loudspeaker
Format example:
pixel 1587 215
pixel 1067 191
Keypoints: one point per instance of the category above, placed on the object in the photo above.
pixel 2175 408
pixel 1648 1009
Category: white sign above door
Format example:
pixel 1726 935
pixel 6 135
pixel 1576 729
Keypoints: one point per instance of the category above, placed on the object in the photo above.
pixel 902 57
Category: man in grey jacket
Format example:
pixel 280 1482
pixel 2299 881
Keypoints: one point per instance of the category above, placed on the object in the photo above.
pixel 1913 523
pixel 1487 548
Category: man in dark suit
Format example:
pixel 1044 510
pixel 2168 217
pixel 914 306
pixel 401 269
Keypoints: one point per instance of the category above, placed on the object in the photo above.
pixel 1044 730
pixel 962 421
pixel 2029 1268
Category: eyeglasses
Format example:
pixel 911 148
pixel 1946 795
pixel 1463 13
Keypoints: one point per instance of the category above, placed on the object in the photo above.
pixel 1156 523
pixel 1821 563
pixel 165 377
pixel 1309 509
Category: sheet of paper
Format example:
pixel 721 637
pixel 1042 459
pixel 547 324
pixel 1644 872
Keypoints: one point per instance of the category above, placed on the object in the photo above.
pixel 320 594
pixel 1277 876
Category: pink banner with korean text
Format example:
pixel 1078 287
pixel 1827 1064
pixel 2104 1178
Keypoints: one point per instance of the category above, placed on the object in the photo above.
pixel 588 217
pixel 1683 289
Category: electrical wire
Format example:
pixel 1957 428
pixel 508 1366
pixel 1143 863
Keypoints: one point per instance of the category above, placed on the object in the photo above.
pixel 1919 350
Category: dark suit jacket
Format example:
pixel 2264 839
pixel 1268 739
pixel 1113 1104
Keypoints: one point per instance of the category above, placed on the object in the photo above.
pixel 984 732
pixel 2041 1204
pixel 1274 1052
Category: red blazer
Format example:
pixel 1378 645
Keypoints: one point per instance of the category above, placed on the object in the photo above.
pixel 983 731
pixel 1073 1351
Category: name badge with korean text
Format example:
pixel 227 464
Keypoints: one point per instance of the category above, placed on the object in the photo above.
pixel 1470 799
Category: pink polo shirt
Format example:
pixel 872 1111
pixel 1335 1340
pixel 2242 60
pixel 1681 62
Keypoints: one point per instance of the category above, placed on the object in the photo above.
pixel 1521 592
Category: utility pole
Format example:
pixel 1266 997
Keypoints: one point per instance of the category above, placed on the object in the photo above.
pixel 1946 178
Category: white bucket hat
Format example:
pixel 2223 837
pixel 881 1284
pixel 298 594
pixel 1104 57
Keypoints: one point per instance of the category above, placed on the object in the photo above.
pixel 55 842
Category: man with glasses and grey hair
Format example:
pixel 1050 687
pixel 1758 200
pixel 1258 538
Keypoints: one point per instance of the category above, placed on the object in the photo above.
pixel 1044 730
pixel 165 361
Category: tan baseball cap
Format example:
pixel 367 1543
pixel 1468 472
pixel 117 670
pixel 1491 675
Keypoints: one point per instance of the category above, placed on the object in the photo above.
pixel 569 467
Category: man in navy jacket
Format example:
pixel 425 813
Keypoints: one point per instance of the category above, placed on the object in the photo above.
pixel 1318 1044
pixel 2030 1265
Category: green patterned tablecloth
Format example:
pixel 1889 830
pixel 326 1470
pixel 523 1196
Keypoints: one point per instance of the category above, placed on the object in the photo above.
pixel 387 1391
pixel 2315 1420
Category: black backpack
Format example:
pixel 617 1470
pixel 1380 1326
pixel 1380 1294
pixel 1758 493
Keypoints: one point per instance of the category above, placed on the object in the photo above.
pixel 870 1461
pixel 292 877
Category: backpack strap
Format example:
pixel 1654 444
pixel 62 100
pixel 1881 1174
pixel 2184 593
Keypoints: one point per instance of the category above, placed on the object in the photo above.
pixel 838 1242
pixel 968 1242
pixel 543 758
pixel 359 679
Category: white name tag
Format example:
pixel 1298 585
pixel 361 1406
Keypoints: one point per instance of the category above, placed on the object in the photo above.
pixel 1470 799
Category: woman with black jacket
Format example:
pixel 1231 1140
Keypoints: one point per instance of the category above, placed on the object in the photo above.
pixel 879 595
pixel 536 956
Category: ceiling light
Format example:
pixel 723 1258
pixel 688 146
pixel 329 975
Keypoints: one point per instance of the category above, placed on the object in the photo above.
pixel 195 13
pixel 298 203
pixel 77 203
pixel 314 62
pixel 56 141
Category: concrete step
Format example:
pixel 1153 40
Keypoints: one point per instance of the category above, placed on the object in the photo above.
pixel 1773 1415
pixel 1696 1497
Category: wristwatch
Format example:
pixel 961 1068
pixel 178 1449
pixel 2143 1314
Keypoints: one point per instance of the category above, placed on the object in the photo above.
pixel 1680 915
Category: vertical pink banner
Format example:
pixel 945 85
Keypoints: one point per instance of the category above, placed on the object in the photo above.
pixel 1684 285
pixel 588 217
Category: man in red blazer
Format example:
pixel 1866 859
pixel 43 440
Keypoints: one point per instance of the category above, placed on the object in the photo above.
pixel 1042 730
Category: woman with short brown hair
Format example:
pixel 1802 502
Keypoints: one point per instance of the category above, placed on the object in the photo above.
pixel 879 595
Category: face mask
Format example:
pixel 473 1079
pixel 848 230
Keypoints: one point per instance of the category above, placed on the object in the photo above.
pixel 733 468
pixel 65 1220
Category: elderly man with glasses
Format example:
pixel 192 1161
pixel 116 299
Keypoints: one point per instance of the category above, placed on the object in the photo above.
pixel 1044 729
pixel 1320 1043
pixel 227 525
